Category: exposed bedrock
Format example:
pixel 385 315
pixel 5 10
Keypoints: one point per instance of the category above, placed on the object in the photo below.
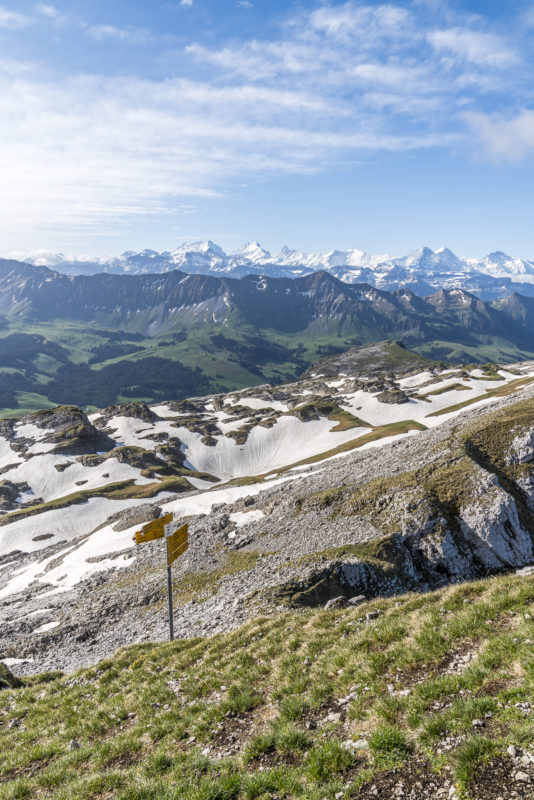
pixel 68 429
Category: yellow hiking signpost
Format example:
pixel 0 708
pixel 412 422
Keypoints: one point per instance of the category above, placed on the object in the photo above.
pixel 177 541
pixel 153 530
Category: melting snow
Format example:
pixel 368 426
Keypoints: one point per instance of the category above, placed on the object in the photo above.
pixel 245 517
pixel 266 449
pixel 48 626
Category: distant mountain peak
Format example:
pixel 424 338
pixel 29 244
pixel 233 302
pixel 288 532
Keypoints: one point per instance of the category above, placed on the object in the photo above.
pixel 254 251
pixel 200 247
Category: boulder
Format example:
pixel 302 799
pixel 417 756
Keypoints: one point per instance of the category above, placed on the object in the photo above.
pixel 393 397
pixel 357 600
pixel 336 602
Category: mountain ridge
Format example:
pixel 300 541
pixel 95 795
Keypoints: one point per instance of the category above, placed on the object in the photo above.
pixel 102 339
pixel 423 269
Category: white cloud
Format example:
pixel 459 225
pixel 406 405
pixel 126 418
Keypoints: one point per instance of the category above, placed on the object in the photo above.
pixel 93 150
pixel 337 82
pixel 371 23
pixel 12 19
pixel 505 138
pixel 46 10
pixel 485 49
pixel 244 4
pixel 129 35
pixel 186 2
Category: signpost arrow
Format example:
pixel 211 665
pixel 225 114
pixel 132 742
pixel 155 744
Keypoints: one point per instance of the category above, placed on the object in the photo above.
pixel 153 530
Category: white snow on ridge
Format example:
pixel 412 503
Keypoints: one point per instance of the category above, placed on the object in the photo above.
pixel 246 517
pixel 257 403
pixel 65 524
pixel 133 432
pixel 50 484
pixel 266 449
pixel 413 381
pixel 368 408
pixel 28 430
pixel 226 423
pixel 7 455
pixel 48 626
pixel 350 265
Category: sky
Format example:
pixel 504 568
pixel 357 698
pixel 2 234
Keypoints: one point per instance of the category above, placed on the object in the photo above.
pixel 129 124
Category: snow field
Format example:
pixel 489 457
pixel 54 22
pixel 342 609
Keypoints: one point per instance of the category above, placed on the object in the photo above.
pixel 415 380
pixel 47 482
pixel 266 449
pixel 73 565
pixel 48 626
pixel 7 455
pixel 246 517
pixel 132 432
pixel 256 403
pixel 65 524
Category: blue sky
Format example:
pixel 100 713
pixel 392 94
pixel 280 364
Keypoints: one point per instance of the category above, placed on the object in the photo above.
pixel 128 124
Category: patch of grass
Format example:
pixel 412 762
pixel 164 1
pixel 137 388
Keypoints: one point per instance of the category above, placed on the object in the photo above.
pixel 255 689
pixel 328 760
pixel 200 585
pixel 470 755
pixel 454 387
pixel 242 698
pixel 388 745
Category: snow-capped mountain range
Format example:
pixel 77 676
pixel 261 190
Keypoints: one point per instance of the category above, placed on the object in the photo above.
pixel 422 270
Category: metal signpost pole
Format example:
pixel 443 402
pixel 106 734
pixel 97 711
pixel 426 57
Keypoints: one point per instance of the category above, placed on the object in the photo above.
pixel 169 596
pixel 168 534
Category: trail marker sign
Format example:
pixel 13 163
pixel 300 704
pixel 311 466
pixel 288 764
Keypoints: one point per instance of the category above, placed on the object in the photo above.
pixel 177 542
pixel 153 530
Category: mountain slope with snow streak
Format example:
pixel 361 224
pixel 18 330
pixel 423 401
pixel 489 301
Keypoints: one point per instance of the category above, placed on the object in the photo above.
pixel 377 472
pixel 73 489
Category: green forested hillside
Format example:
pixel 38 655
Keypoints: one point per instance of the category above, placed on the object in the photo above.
pixel 93 341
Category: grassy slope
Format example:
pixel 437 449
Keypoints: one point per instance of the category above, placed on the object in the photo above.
pixel 151 722
pixel 228 367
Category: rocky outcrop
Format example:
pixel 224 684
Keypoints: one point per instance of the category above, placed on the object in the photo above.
pixel 69 430
pixel 136 410
pixel 9 493
pixel 134 516
pixel 393 397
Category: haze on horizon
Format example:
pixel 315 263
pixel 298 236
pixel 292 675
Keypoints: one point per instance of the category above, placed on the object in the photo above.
pixel 319 125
